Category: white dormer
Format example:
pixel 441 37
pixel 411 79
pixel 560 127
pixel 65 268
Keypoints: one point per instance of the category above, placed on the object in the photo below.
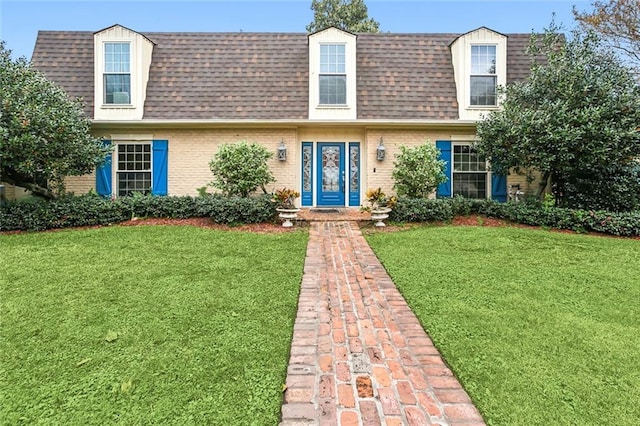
pixel 332 75
pixel 480 66
pixel 122 58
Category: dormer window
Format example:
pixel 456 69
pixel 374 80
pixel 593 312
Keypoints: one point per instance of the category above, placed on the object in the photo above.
pixel 480 66
pixel 333 75
pixel 483 75
pixel 117 73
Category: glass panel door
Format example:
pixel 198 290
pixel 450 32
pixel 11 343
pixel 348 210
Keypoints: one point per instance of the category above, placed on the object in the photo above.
pixel 331 174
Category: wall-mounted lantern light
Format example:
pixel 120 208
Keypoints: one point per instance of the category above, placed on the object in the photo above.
pixel 282 151
pixel 380 151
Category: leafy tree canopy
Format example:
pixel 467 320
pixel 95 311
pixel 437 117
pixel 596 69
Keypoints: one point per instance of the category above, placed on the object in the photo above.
pixel 618 23
pixel 44 136
pixel 348 15
pixel 574 118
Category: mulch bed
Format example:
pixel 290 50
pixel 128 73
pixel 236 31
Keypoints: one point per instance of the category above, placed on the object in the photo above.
pixel 276 228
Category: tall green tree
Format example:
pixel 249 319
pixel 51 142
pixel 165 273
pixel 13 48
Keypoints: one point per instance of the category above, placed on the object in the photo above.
pixel 574 120
pixel 44 135
pixel 618 23
pixel 348 15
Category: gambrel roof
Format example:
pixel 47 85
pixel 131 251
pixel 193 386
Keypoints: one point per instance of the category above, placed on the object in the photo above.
pixel 264 76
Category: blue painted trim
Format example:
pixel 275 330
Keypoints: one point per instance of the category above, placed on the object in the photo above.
pixel 104 175
pixel 444 189
pixel 354 196
pixel 307 196
pixel 160 165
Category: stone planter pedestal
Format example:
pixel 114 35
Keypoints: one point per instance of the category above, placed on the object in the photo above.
pixel 380 214
pixel 287 215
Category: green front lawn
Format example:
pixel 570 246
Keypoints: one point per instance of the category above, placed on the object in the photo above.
pixel 540 327
pixel 146 325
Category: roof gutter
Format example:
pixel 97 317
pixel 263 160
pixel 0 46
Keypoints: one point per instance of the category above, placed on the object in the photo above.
pixel 301 123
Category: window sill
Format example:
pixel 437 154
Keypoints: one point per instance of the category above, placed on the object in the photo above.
pixel 482 107
pixel 117 106
pixel 329 106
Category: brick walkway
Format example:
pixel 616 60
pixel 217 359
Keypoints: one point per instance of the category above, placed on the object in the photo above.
pixel 359 355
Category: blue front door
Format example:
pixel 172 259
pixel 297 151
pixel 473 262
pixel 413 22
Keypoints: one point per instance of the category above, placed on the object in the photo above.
pixel 331 174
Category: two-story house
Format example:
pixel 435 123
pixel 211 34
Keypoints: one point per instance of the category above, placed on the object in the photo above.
pixel 333 107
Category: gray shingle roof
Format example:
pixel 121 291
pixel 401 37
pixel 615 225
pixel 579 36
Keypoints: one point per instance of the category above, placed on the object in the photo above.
pixel 405 76
pixel 228 75
pixel 264 76
pixel 518 64
pixel 66 57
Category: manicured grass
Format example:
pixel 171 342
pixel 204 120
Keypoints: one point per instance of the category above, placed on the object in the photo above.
pixel 540 327
pixel 146 325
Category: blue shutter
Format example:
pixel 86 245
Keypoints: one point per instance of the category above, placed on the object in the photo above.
pixel 103 176
pixel 160 162
pixel 499 187
pixel 444 189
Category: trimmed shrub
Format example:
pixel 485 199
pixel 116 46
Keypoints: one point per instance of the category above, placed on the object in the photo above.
pixel 418 171
pixel 230 210
pixel 90 210
pixel 240 169
pixel 535 214
pixel 69 211
pixel 422 210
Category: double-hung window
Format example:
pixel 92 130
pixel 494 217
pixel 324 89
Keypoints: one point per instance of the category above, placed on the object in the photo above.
pixel 133 173
pixel 117 73
pixel 470 175
pixel 333 76
pixel 483 75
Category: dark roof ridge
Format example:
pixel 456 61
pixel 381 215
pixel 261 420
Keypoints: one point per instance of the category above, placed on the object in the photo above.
pixel 483 27
pixel 126 28
pixel 337 28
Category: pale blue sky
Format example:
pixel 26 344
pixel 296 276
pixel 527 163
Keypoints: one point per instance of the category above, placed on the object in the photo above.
pixel 20 20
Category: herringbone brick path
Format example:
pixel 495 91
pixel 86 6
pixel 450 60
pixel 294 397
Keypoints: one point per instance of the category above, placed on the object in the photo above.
pixel 359 356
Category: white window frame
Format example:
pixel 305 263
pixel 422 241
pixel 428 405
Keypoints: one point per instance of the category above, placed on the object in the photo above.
pixel 493 75
pixel 318 111
pixel 118 170
pixel 455 172
pixel 106 72
pixel 330 73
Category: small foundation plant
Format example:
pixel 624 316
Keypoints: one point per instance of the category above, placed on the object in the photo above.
pixel 284 200
pixel 379 205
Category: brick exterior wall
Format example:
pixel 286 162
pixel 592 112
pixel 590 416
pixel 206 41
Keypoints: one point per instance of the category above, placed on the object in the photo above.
pixel 191 150
pixel 9 191
pixel 378 174
pixel 80 184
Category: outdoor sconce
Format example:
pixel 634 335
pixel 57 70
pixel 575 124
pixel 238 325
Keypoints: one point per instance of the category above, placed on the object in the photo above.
pixel 282 151
pixel 380 151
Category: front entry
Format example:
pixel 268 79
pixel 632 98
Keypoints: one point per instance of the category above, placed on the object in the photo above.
pixel 331 174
